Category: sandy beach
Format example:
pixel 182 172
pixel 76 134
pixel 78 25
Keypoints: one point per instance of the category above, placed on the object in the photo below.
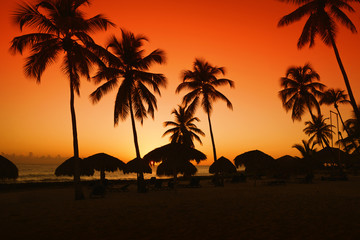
pixel 322 210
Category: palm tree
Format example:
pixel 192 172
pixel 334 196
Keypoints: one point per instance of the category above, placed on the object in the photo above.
pixel 60 29
pixel 322 15
pixel 128 67
pixel 353 140
pixel 307 149
pixel 300 91
pixel 319 131
pixel 183 128
pixel 202 82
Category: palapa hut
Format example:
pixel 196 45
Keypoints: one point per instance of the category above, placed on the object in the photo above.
pixel 221 166
pixel 104 163
pixel 256 163
pixel 8 170
pixel 138 166
pixel 175 156
pixel 287 165
pixel 166 169
pixel 332 157
pixel 68 166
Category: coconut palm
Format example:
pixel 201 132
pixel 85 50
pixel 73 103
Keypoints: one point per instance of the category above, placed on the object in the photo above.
pixel 352 142
pixel 60 30
pixel 183 128
pixel 319 131
pixel 335 97
pixel 322 21
pixel 127 67
pixel 202 82
pixel 301 90
pixel 307 149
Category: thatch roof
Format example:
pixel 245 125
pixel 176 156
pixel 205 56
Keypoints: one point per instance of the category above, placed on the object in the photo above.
pixel 8 170
pixel 222 165
pixel 137 165
pixel 332 155
pixel 104 162
pixel 174 152
pixel 255 161
pixel 168 169
pixel 67 168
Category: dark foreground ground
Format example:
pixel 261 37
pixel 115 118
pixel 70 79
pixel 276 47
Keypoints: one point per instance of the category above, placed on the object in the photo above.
pixel 322 210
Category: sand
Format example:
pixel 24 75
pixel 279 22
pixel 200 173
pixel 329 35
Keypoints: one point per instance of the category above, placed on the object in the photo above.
pixel 322 210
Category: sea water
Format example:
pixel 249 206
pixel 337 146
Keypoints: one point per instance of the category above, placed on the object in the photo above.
pixel 29 173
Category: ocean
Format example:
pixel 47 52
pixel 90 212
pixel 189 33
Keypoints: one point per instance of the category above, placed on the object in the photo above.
pixel 29 173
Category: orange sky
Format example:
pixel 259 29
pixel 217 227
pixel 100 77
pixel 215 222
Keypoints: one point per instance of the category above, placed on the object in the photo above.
pixel 242 36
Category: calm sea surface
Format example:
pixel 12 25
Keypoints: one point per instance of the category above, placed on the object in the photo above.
pixel 46 173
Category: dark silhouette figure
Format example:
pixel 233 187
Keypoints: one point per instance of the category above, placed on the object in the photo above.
pixel 183 128
pixel 300 91
pixel 202 82
pixel 322 15
pixel 60 27
pixel 127 66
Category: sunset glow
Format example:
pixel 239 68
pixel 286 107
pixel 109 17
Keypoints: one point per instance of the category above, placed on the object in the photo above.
pixel 241 36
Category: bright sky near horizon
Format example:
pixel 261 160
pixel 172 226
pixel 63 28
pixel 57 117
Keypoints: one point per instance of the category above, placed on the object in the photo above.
pixel 242 36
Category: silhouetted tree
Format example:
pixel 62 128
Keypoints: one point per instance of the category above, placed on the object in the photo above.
pixel 307 149
pixel 300 91
pixel 322 21
pixel 353 140
pixel 183 128
pixel 60 31
pixel 319 131
pixel 128 67
pixel 202 82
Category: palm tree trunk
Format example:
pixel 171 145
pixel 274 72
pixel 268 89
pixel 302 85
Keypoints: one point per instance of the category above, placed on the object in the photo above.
pixel 347 83
pixel 212 137
pixel 140 176
pixel 78 190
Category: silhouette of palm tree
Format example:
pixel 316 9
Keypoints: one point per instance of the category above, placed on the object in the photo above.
pixel 307 149
pixel 60 27
pixel 202 82
pixel 319 131
pixel 300 91
pixel 183 128
pixel 335 97
pixel 353 140
pixel 126 61
pixel 321 21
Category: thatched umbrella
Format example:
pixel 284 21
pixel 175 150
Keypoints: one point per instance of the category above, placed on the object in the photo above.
pixel 174 152
pixel 8 169
pixel 255 162
pixel 167 169
pixel 103 162
pixel 221 166
pixel 67 168
pixel 330 156
pixel 175 155
pixel 287 165
pixel 137 165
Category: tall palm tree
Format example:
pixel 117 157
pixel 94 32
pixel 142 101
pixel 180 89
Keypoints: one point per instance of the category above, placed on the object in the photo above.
pixel 202 82
pixel 352 141
pixel 127 67
pixel 319 131
pixel 60 30
pixel 301 90
pixel 183 128
pixel 322 21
